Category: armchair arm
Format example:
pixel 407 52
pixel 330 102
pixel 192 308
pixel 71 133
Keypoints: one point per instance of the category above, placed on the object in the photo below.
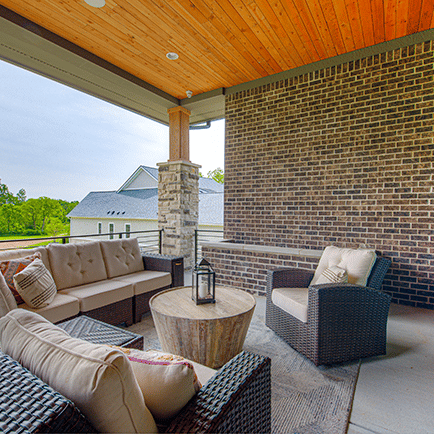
pixel 288 278
pixel 346 320
pixel 170 263
pixel 236 400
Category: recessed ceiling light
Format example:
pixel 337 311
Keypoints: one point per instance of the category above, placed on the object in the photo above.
pixel 172 56
pixel 95 3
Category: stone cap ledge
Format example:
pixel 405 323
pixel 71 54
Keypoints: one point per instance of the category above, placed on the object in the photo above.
pixel 288 251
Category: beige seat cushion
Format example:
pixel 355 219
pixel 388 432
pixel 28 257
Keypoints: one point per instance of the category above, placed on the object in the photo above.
pixel 204 373
pixel 97 378
pixel 98 294
pixel 76 264
pixel 148 280
pixel 62 307
pixel 292 300
pixel 122 257
pixel 357 262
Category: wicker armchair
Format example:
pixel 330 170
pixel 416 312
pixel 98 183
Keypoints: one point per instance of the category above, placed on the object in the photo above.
pixel 344 321
pixel 236 400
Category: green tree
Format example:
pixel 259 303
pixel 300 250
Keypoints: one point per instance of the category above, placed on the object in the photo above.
pixel 10 219
pixel 6 196
pixel 38 212
pixel 217 174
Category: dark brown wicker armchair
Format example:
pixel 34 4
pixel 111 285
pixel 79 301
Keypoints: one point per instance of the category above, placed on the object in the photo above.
pixel 344 321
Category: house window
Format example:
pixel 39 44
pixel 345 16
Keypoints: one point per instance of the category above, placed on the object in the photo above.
pixel 127 230
pixel 100 228
pixel 111 230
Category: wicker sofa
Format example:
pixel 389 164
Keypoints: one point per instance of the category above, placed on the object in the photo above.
pixel 235 400
pixel 107 280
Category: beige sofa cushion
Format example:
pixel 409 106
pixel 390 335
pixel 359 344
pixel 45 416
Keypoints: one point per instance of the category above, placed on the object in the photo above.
pixel 122 257
pixel 22 253
pixel 97 378
pixel 357 262
pixel 292 300
pixel 146 281
pixel 98 294
pixel 7 300
pixel 62 307
pixel 76 264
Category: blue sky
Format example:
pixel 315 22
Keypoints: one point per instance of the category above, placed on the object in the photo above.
pixel 61 143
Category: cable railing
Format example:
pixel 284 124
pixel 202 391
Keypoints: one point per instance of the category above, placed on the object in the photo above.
pixel 204 235
pixel 150 241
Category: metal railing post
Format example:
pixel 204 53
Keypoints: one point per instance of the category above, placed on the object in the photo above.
pixel 195 245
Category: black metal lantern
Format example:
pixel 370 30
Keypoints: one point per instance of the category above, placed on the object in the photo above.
pixel 203 283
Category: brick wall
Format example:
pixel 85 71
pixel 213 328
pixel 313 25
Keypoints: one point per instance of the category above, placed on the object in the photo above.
pixel 342 155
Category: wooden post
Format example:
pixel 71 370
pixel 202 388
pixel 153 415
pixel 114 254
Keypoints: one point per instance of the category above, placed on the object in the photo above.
pixel 179 123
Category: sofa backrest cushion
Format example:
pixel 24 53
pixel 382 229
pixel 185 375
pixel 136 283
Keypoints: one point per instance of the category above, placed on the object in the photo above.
pixel 7 300
pixel 97 378
pixel 122 257
pixel 76 264
pixel 357 262
pixel 22 253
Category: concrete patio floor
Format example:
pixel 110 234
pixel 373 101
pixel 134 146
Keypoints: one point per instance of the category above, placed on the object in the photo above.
pixel 395 392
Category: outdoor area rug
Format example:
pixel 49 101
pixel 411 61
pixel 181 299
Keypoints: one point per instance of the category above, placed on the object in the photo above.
pixel 305 398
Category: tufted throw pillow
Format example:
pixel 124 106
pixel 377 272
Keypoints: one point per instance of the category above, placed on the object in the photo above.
pixel 35 285
pixel 167 381
pixel 333 274
pixel 97 378
pixel 14 266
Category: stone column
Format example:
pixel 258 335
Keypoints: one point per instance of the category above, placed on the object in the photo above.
pixel 178 191
pixel 178 208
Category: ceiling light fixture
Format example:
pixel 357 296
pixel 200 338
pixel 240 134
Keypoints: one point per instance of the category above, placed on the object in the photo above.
pixel 189 93
pixel 95 3
pixel 172 56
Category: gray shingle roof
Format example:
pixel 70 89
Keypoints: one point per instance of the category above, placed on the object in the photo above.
pixel 142 204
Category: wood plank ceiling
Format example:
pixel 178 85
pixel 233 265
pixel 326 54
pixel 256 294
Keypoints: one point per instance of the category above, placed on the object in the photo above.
pixel 226 42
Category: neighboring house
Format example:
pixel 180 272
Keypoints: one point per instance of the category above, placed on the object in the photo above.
pixel 134 207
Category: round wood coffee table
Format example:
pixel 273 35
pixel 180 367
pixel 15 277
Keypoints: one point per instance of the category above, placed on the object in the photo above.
pixel 210 334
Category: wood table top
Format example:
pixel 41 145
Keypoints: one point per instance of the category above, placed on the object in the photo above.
pixel 177 302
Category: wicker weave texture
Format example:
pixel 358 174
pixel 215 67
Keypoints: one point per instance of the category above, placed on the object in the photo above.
pixel 98 332
pixel 236 400
pixel 345 322
pixel 114 313
pixel 28 405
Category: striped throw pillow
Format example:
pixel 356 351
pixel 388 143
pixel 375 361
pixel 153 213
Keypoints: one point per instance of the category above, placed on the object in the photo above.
pixel 333 275
pixel 35 285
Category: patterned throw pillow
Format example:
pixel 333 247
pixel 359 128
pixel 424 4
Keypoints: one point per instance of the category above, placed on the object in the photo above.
pixel 14 266
pixel 167 381
pixel 35 285
pixel 333 275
